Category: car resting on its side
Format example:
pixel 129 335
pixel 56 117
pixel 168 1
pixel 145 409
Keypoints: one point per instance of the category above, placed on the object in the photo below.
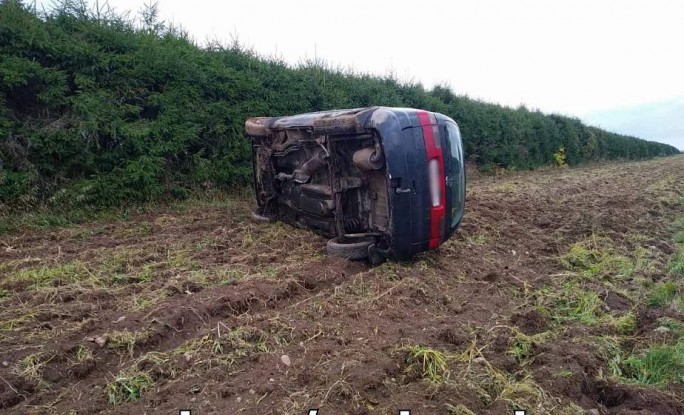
pixel 380 182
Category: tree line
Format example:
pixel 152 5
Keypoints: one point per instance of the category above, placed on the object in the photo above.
pixel 96 110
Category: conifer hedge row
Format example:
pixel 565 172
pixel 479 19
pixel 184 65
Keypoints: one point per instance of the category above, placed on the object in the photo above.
pixel 98 111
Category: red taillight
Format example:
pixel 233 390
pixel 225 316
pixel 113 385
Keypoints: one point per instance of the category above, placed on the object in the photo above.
pixel 436 176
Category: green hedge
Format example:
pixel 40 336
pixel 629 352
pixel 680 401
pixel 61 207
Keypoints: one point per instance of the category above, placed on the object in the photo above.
pixel 95 111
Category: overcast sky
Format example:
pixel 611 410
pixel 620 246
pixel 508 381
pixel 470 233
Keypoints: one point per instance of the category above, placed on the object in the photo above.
pixel 576 57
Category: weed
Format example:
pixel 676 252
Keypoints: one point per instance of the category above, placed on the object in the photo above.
pixel 559 157
pixel 128 387
pixel 432 363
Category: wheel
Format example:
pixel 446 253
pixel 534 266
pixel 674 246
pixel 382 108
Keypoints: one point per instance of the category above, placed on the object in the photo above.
pixel 375 257
pixel 260 218
pixel 354 249
pixel 254 127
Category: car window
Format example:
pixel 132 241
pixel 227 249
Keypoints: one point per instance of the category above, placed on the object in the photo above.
pixel 457 178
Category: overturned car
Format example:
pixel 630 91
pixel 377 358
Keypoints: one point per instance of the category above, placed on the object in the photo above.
pixel 380 182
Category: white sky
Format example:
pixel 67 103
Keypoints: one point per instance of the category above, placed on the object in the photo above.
pixel 567 56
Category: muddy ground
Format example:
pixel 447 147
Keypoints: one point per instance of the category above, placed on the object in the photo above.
pixel 194 306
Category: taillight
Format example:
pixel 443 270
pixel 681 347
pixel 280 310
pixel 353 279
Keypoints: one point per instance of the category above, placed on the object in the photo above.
pixel 436 176
pixel 435 185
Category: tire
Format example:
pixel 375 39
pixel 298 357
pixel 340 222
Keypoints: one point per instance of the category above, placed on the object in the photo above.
pixel 356 249
pixel 254 127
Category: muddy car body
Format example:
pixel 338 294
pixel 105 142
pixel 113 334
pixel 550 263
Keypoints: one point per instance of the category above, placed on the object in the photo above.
pixel 381 182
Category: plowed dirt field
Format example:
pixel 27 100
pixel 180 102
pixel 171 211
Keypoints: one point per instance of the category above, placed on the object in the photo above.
pixel 546 300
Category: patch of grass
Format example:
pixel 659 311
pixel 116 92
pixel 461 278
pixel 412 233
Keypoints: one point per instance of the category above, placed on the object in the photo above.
pixel 477 239
pixel 431 363
pixel 669 324
pixel 143 276
pixel 194 346
pixel 11 324
pixel 657 365
pixel 625 324
pixel 522 345
pixel 181 259
pixel 575 304
pixel 563 373
pixel 120 261
pixel 392 271
pixel 676 263
pixel 242 341
pixel 141 229
pixel 157 358
pixel 459 409
pixel 84 354
pixel 231 276
pixel 31 367
pixel 268 272
pixel 53 219
pixel 679 236
pixel 595 257
pixel 505 187
pixel 57 275
pixel 228 345
pixel 144 302
pixel 495 385
pixel 128 387
pixel 126 339
pixel 666 294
